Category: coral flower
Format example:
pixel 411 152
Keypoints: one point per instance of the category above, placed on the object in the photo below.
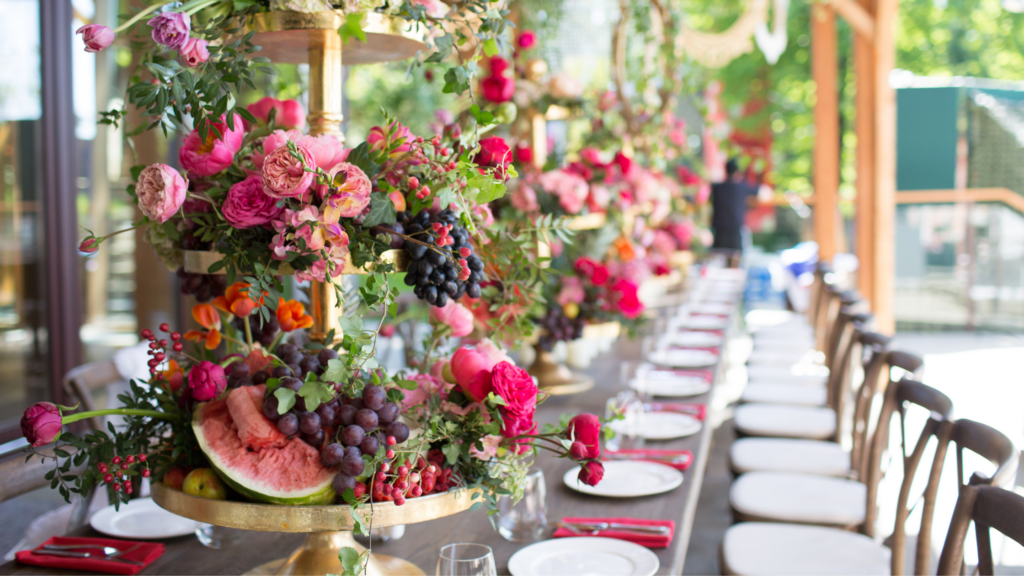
pixel 625 248
pixel 207 317
pixel 174 375
pixel 291 315
pixel 236 300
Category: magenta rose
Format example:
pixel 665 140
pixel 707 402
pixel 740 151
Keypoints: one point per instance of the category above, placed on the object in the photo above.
pixel 161 191
pixel 96 37
pixel 246 205
pixel 526 39
pixel 206 380
pixel 498 88
pixel 171 29
pixel 578 451
pixel 455 316
pixel 352 196
pixel 585 429
pixel 41 424
pixel 211 156
pixel 626 298
pixel 516 387
pixel 494 153
pixel 284 175
pixel 195 52
pixel 289 113
pixel 591 473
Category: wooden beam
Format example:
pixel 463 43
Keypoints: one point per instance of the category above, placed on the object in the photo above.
pixel 824 71
pixel 953 196
pixel 859 18
pixel 885 166
pixel 864 243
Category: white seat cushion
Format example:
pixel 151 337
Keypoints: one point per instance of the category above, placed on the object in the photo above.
pixel 805 381
pixel 784 344
pixel 809 358
pixel 800 372
pixel 801 498
pixel 797 394
pixel 789 455
pixel 762 549
pixel 782 421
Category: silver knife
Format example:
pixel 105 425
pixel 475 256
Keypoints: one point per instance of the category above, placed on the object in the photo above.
pixel 68 554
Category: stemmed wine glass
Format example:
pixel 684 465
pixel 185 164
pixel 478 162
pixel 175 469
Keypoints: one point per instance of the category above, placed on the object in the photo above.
pixel 466 559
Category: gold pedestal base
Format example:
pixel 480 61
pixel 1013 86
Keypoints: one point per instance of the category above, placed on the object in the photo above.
pixel 555 378
pixel 319 555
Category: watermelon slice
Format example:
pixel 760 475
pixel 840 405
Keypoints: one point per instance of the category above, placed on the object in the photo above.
pixel 253 457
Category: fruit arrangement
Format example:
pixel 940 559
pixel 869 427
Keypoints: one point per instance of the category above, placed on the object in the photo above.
pixel 559 327
pixel 443 264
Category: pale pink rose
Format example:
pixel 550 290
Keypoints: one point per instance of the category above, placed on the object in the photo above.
pixel 435 8
pixel 525 199
pixel 353 196
pixel 492 352
pixel 326 150
pixel 599 198
pixel 284 176
pixel 664 243
pixel 246 205
pixel 483 211
pixel 455 316
pixel 211 156
pixel 289 112
pixel 161 191
pixel 275 140
pixel 490 444
pixel 571 292
pixel 426 386
pixel 195 52
pixel 570 188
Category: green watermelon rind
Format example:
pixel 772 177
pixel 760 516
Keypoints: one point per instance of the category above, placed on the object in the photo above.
pixel 317 495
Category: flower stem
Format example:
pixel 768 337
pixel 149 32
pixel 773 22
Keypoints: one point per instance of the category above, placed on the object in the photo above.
pixel 139 16
pixel 248 331
pixel 119 412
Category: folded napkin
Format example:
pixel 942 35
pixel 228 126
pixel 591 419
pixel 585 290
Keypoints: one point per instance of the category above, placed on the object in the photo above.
pixel 698 411
pixel 681 373
pixel 648 540
pixel 686 460
pixel 146 553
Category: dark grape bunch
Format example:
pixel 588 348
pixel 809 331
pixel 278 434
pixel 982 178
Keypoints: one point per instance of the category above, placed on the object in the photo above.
pixel 557 326
pixel 299 363
pixel 263 330
pixel 204 287
pixel 448 272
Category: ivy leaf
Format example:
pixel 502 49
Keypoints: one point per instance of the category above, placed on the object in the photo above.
pixel 407 384
pixel 382 210
pixel 446 196
pixel 315 393
pixel 456 80
pixel 496 400
pixel 353 27
pixel 285 399
pixel 337 371
pixel 349 558
pixel 451 453
pixel 491 47
pixel 350 326
pixel 443 45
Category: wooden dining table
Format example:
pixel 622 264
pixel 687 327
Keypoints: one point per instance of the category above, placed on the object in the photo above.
pixel 421 542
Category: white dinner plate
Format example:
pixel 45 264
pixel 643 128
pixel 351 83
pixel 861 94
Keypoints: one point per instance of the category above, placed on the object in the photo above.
pixel 706 322
pixel 141 519
pixel 693 338
pixel 671 386
pixel 663 425
pixel 627 479
pixel 684 357
pixel 593 556
pixel 728 297
pixel 718 308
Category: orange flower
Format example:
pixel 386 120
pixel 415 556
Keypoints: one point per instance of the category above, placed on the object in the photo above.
pixel 291 315
pixel 625 248
pixel 174 376
pixel 235 301
pixel 207 317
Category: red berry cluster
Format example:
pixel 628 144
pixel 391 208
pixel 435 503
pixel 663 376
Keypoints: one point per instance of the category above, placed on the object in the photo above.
pixel 158 348
pixel 442 231
pixel 425 477
pixel 118 471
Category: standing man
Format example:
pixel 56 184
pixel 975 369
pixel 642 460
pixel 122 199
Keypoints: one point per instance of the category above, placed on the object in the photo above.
pixel 729 210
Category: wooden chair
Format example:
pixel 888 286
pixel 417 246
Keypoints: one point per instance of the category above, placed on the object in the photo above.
pixel 768 548
pixel 82 381
pixel 823 500
pixel 988 507
pixel 826 458
pixel 799 330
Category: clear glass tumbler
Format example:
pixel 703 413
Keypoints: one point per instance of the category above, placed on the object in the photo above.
pixel 628 430
pixel 217 537
pixel 466 560
pixel 524 521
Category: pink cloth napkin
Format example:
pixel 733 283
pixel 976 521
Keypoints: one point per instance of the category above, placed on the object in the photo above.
pixel 698 411
pixel 648 540
pixel 685 461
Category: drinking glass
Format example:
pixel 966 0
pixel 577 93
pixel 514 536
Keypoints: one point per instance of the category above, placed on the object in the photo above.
pixel 628 431
pixel 217 537
pixel 524 521
pixel 466 560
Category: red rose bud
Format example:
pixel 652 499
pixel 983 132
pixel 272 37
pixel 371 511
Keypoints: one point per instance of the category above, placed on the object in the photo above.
pixel 591 473
pixel 585 429
pixel 41 424
pixel 578 451
pixel 89 246
pixel 527 39
pixel 524 154
pixel 206 380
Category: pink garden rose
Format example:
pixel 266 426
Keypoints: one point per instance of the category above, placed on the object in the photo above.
pixel 289 112
pixel 591 473
pixel 599 198
pixel 272 142
pixel 161 191
pixel 284 176
pixel 96 37
pixel 527 39
pixel 525 199
pixel 206 380
pixel 586 429
pixel 494 153
pixel 626 299
pixel 246 205
pixel 592 157
pixel 664 243
pixel 498 88
pixel 471 368
pixel 327 150
pixel 455 316
pixel 571 189
pixel 426 386
pixel 516 387
pixel 352 196
pixel 211 156
pixel 195 52
pixel 592 270
pixel 41 424
pixel 483 211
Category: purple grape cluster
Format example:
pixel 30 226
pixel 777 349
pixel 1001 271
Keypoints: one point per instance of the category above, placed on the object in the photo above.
pixel 263 331
pixel 557 326
pixel 203 287
pixel 437 273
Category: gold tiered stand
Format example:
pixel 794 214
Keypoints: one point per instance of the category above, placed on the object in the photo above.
pixel 328 528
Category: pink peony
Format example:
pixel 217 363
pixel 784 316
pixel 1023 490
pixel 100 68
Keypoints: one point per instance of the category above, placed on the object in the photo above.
pixel 161 191
pixel 96 37
pixel 246 205
pixel 426 386
pixel 327 150
pixel 626 299
pixel 525 199
pixel 206 380
pixel 663 243
pixel 471 368
pixel 516 387
pixel 289 112
pixel 195 52
pixel 571 189
pixel 208 157
pixel 455 316
pixel 284 176
pixel 352 196
pixel 41 424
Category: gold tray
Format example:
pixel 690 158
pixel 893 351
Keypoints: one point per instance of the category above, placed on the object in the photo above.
pixel 286 37
pixel 199 262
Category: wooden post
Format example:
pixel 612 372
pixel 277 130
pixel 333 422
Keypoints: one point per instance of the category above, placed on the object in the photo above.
pixel 824 63
pixel 884 269
pixel 864 66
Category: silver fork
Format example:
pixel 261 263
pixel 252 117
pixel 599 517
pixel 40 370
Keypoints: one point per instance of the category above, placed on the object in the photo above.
pixel 69 554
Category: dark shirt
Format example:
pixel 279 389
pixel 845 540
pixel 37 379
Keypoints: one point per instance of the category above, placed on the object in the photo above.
pixel 729 203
